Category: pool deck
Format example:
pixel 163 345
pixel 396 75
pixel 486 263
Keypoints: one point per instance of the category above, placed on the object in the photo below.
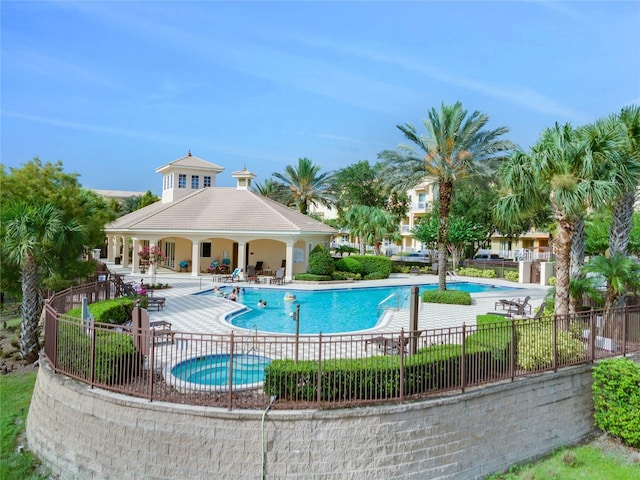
pixel 205 313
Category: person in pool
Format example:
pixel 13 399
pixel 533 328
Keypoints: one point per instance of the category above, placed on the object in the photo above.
pixel 262 303
pixel 290 297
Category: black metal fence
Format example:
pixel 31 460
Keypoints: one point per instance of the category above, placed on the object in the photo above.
pixel 323 371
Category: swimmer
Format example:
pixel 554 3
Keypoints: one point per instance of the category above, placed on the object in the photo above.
pixel 261 303
pixel 289 297
pixel 233 297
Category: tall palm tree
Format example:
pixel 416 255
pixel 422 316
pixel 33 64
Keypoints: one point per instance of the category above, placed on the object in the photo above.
pixel 629 122
pixel 604 142
pixel 32 237
pixel 371 225
pixel 306 184
pixel 274 190
pixel 621 273
pixel 559 172
pixel 454 148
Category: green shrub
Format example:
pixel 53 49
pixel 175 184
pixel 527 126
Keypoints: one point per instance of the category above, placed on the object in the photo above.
pixel 477 272
pixel 616 398
pixel 338 275
pixel 552 281
pixel 320 261
pixel 116 359
pixel 349 264
pixel 511 275
pixel 535 346
pixel 117 310
pixel 310 277
pixel 376 276
pixel 374 263
pixel 453 297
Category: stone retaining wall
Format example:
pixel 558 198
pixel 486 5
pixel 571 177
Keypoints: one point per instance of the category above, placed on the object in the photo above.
pixel 82 433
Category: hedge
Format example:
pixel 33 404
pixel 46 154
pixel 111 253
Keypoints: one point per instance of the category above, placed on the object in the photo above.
pixel 535 346
pixel 452 297
pixel 378 377
pixel 320 261
pixel 374 264
pixel 117 310
pixel 616 398
pixel 349 264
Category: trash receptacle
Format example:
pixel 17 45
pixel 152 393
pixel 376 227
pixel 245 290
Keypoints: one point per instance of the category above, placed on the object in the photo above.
pixel 118 260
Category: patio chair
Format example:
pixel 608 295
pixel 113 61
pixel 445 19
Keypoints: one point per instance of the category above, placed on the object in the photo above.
pixel 184 265
pixel 259 266
pixel 520 308
pixel 214 267
pixel 278 278
pixel 539 312
pixel 251 274
pixel 389 345
pixel 235 275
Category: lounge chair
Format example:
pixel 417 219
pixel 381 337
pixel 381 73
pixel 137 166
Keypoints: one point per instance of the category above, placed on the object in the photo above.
pixel 539 312
pixel 520 308
pixel 235 275
pixel 278 278
pixel 389 345
pixel 259 267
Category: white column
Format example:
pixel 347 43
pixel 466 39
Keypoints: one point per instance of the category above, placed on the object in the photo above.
pixel 288 274
pixel 242 262
pixel 110 248
pixel 135 268
pixel 195 258
pixel 125 251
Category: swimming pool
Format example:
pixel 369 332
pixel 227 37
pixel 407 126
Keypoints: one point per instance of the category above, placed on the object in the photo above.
pixel 327 311
pixel 212 372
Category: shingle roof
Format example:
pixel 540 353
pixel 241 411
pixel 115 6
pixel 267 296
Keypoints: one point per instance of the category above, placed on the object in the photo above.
pixel 219 210
pixel 192 162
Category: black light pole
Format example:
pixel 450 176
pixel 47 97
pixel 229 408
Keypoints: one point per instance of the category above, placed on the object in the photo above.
pixel 413 315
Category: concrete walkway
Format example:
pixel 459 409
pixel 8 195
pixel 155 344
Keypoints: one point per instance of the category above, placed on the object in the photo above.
pixel 206 313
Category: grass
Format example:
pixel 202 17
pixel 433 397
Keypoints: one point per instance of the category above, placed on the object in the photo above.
pixel 580 463
pixel 15 397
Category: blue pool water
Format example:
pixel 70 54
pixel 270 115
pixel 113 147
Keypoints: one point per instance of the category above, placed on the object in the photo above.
pixel 248 370
pixel 327 311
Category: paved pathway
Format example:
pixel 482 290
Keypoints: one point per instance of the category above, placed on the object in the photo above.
pixel 206 313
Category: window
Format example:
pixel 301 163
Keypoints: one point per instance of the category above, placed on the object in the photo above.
pixel 206 181
pixel 205 249
pixel 182 181
pixel 195 181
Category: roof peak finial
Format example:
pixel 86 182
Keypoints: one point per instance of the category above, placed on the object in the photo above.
pixel 189 154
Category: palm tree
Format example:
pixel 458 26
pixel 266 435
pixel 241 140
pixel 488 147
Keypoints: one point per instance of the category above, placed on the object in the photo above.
pixel 559 173
pixel 603 139
pixel 455 148
pixel 621 274
pixel 307 186
pixel 32 237
pixel 629 122
pixel 274 190
pixel 371 225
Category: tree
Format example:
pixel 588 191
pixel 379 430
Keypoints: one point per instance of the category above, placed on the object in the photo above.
pixel 629 122
pixel 456 147
pixel 275 191
pixel 306 185
pixel 34 235
pixel 357 184
pixel 559 172
pixel 621 274
pixel 371 225
pixel 131 204
pixel 35 183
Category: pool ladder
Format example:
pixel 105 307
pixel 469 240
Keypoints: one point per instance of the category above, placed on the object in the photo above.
pixel 250 340
pixel 382 307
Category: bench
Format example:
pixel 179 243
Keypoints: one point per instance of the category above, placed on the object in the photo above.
pixel 162 328
pixel 157 302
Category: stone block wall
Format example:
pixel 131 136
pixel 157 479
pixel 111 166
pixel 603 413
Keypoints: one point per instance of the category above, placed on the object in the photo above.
pixel 82 433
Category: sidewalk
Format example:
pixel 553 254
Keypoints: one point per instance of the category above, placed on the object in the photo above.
pixel 205 313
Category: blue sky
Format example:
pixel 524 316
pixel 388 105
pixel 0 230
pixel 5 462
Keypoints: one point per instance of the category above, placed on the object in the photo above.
pixel 116 89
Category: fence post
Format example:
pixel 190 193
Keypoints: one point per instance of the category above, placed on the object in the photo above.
pixel 152 357
pixel 512 351
pixel 231 345
pixel 463 360
pixel 319 382
pixel 624 330
pixel 592 336
pixel 402 364
pixel 555 340
pixel 92 361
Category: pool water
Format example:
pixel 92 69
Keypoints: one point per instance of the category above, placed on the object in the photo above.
pixel 248 370
pixel 327 311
